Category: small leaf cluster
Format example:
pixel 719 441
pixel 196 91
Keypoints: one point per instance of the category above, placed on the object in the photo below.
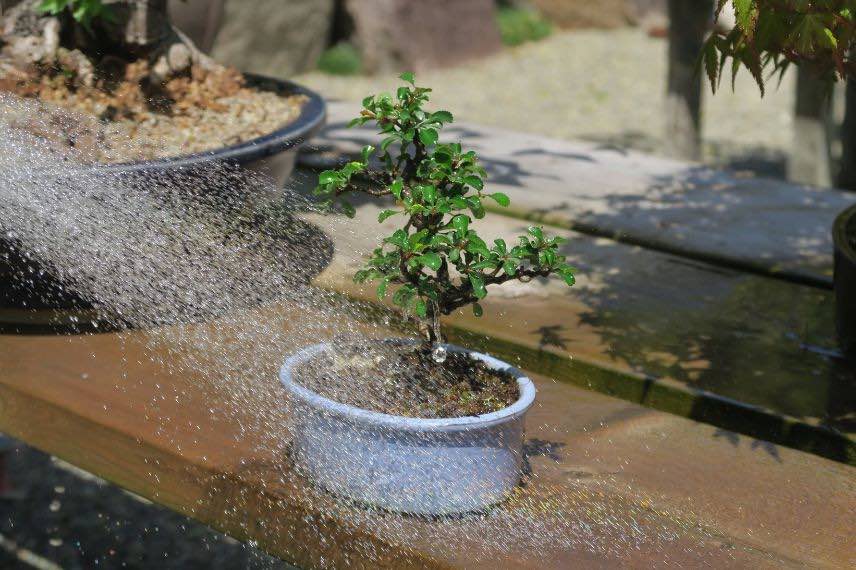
pixel 83 11
pixel 436 262
pixel 772 34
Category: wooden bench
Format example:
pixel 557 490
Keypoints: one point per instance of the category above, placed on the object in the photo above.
pixel 609 481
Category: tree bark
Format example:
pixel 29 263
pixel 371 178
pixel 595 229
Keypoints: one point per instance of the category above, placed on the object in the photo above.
pixel 689 24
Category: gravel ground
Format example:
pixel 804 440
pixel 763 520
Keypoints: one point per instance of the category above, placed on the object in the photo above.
pixel 598 85
pixel 66 518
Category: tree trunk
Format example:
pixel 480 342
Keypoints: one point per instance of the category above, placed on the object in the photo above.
pixel 809 162
pixel 138 24
pixel 847 173
pixel 689 24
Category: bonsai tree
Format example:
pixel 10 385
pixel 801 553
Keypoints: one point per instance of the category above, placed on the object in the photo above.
pixel 435 262
pixel 68 33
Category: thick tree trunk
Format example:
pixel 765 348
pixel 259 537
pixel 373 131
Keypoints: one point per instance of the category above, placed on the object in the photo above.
pixel 847 173
pixel 810 153
pixel 138 29
pixel 138 24
pixel 689 24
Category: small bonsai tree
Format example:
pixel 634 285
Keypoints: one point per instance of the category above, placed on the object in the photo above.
pixel 436 261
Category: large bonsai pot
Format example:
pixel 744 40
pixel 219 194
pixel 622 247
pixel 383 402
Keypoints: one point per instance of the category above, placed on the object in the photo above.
pixel 409 465
pixel 844 238
pixel 45 304
pixel 274 154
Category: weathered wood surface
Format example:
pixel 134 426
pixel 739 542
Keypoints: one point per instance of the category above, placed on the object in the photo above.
pixel 698 212
pixel 647 315
pixel 612 483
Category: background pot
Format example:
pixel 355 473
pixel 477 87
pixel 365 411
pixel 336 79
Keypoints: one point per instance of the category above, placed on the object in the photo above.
pixel 45 304
pixel 411 465
pixel 273 154
pixel 844 235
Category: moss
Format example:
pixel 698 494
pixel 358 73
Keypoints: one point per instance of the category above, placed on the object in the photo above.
pixel 519 25
pixel 341 59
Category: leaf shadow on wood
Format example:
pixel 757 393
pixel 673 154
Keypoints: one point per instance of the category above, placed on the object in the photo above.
pixel 735 339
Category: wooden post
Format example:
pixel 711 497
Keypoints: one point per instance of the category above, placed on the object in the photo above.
pixel 809 162
pixel 689 21
pixel 847 173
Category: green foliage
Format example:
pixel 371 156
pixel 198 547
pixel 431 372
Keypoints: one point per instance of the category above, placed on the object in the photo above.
pixel 83 11
pixel 772 34
pixel 519 25
pixel 341 59
pixel 435 260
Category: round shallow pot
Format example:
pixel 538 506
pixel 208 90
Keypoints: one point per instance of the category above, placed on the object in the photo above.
pixel 843 236
pixel 410 465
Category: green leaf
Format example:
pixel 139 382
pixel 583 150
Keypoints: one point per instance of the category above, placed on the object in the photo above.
pixel 477 245
pixel 366 152
pixel 431 260
pixel 328 177
pixel 746 13
pixel 381 289
pixel 476 207
pixel 474 181
pixel 461 223
pixel 429 194
pixel 348 209
pixel 428 136
pixel 403 295
pixel 477 310
pixel 408 77
pixel 420 307
pixel 396 188
pixel 568 276
pixel 442 117
pixel 399 238
pixel 510 267
pixel 501 199
pixel 478 286
pixel 537 232
pixel 385 214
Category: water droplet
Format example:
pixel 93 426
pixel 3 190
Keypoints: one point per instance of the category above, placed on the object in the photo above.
pixel 439 353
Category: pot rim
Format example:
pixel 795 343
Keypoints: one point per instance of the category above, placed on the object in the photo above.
pixel 839 233
pixel 313 115
pixel 379 419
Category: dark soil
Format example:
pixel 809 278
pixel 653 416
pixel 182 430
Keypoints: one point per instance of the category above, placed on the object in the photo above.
pixel 406 381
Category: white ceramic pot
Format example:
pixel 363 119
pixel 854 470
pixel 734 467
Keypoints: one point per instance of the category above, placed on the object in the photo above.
pixel 410 465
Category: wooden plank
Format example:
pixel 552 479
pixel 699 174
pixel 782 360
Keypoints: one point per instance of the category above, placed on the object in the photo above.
pixel 612 483
pixel 754 224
